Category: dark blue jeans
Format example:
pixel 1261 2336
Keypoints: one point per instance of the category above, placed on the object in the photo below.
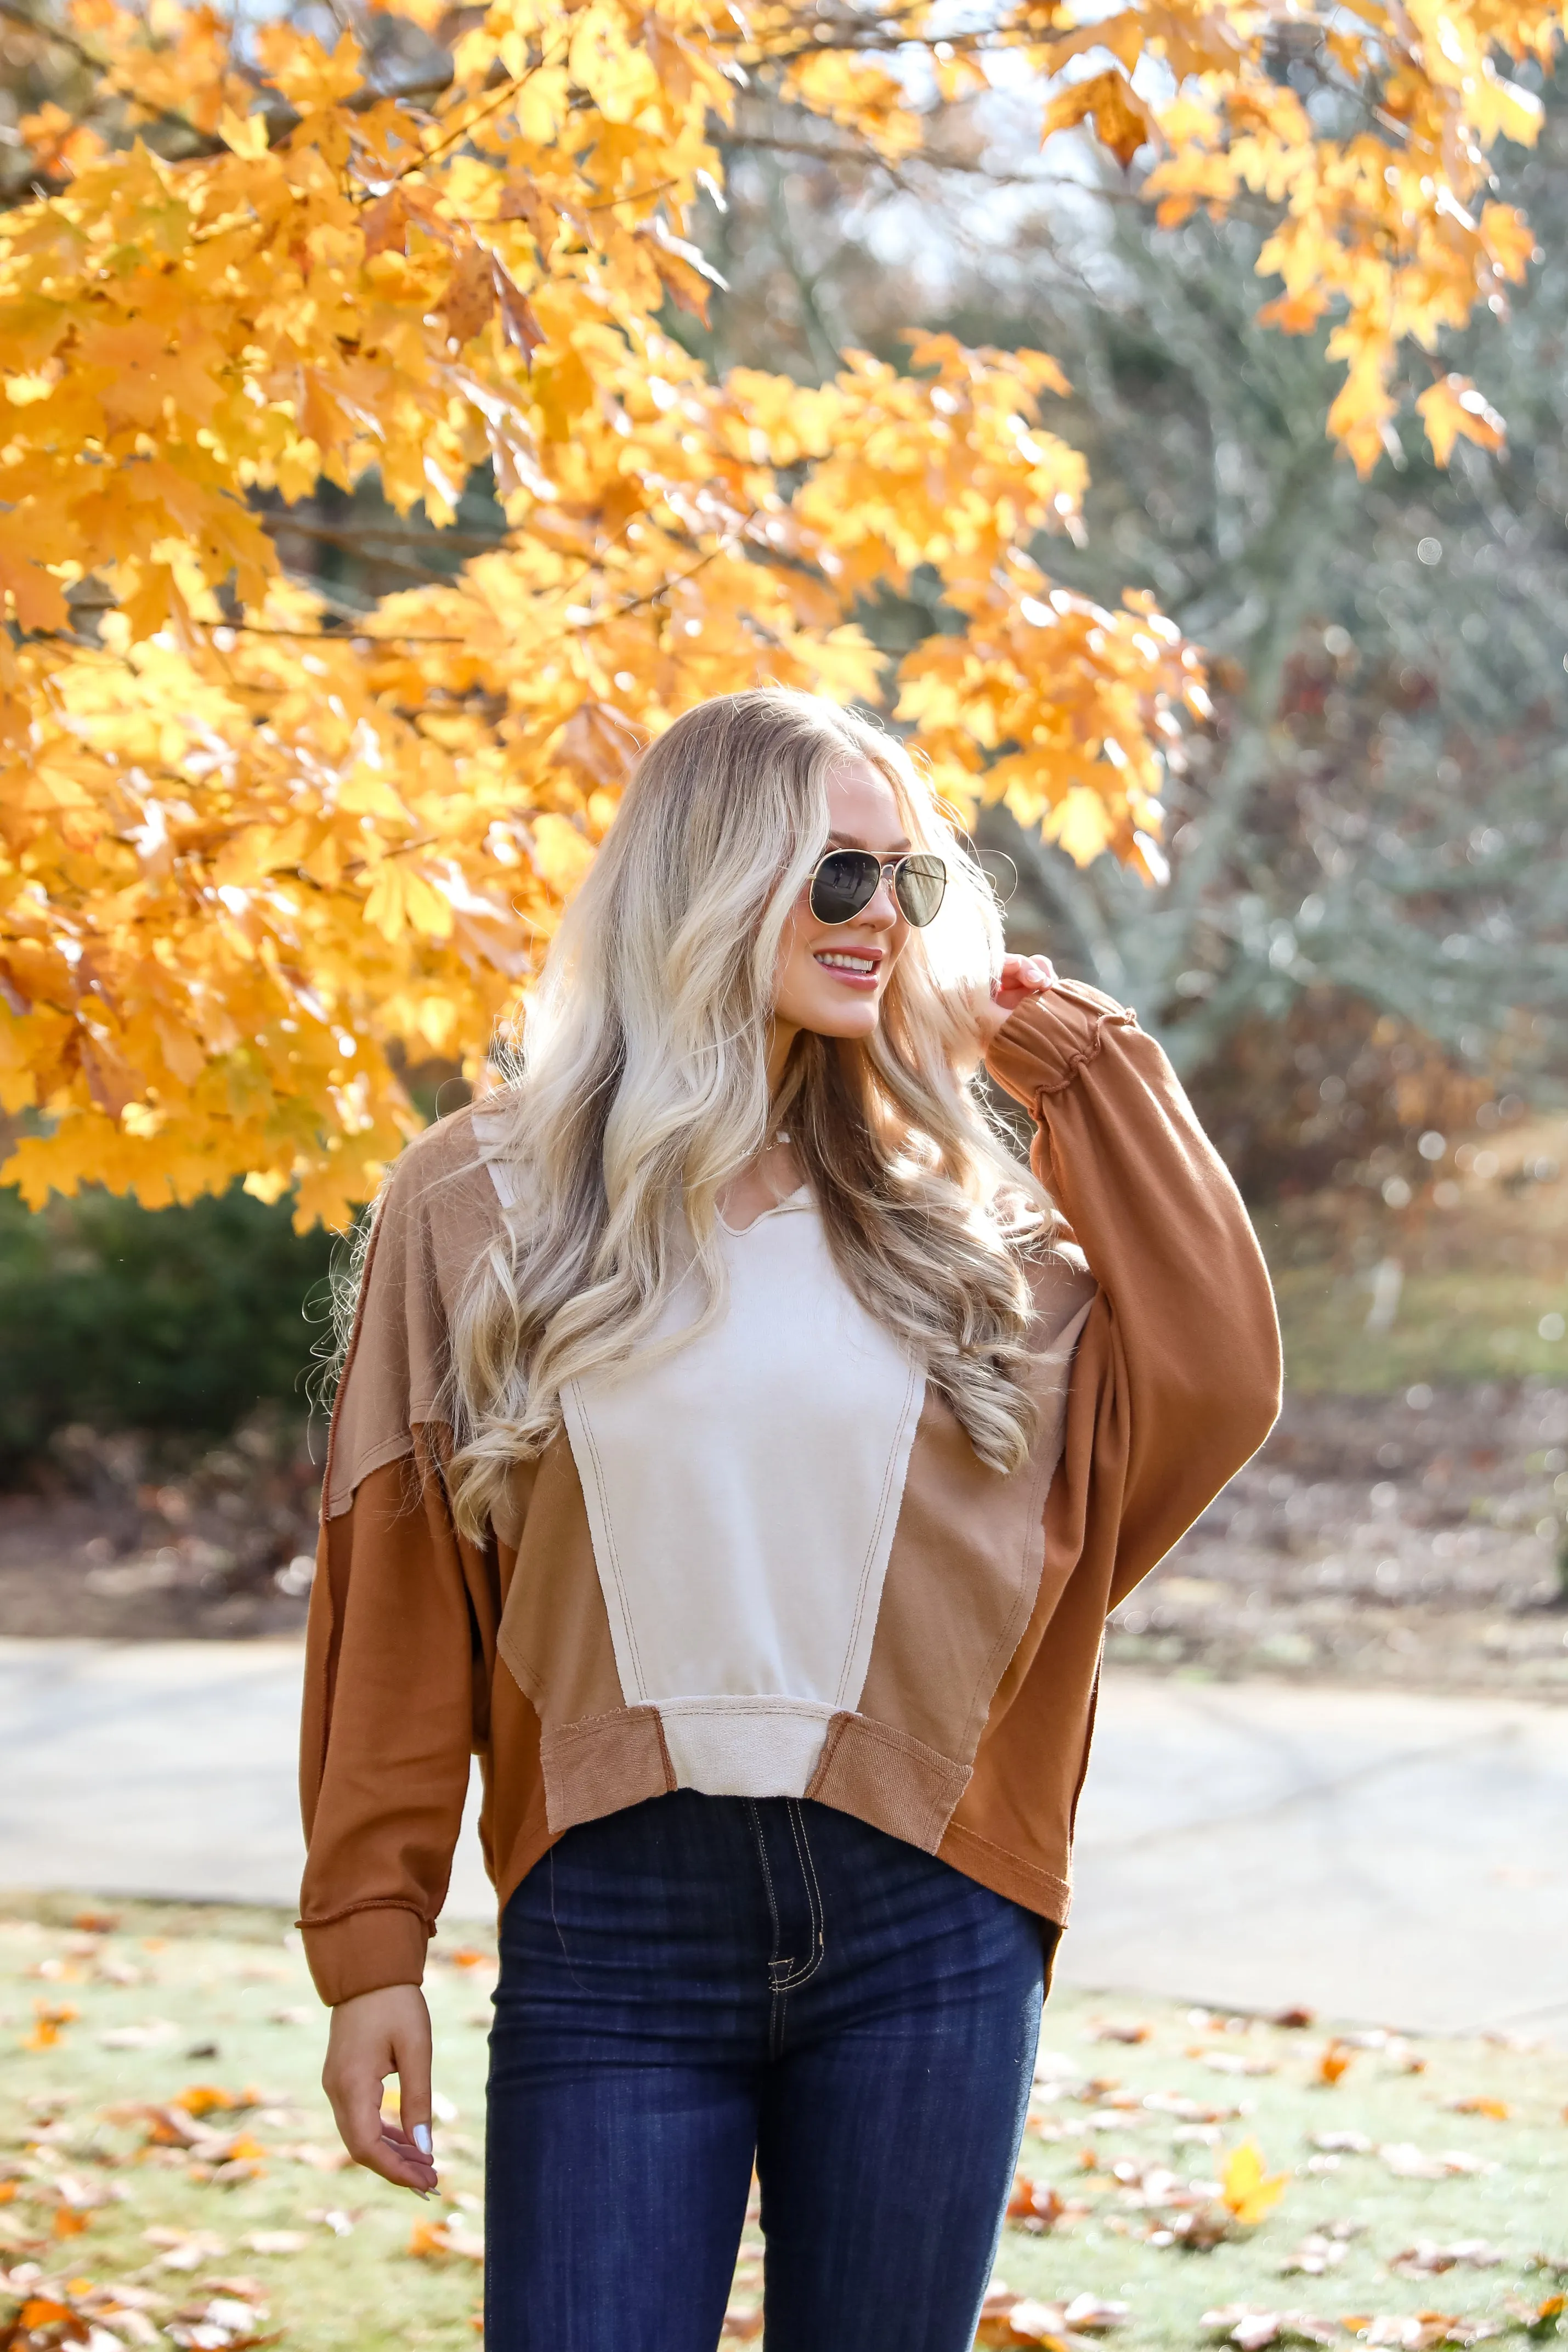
pixel 699 1983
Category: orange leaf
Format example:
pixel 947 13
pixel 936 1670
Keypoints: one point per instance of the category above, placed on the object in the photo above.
pixel 1453 409
pixel 40 601
pixel 470 296
pixel 1122 121
pixel 204 2098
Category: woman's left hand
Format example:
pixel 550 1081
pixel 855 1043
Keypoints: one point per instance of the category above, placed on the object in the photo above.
pixel 1022 979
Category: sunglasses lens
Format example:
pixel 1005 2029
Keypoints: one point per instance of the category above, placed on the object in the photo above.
pixel 921 883
pixel 844 882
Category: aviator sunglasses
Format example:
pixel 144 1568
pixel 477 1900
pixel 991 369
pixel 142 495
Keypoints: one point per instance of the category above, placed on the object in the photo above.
pixel 847 881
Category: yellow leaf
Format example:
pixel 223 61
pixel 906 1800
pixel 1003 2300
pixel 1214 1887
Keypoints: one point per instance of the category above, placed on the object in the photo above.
pixel 1453 407
pixel 1248 2190
pixel 304 72
pixel 561 855
pixel 1079 824
pixel 244 135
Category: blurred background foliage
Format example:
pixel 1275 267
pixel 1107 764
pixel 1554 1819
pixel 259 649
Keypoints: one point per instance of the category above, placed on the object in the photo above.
pixel 180 1320
pixel 1358 957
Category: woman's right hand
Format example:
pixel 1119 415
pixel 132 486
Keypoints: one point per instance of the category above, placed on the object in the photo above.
pixel 372 2036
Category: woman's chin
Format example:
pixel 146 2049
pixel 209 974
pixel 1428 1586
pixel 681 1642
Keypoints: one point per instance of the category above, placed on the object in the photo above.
pixel 855 1018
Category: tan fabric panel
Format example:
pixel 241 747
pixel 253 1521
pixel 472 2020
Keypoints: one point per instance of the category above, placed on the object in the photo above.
pixel 597 1767
pixel 555 1629
pixel 1023 1791
pixel 438 1211
pixel 513 1827
pixel 965 1568
pixel 885 1778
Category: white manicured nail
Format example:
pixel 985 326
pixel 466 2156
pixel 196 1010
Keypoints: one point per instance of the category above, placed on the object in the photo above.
pixel 422 2139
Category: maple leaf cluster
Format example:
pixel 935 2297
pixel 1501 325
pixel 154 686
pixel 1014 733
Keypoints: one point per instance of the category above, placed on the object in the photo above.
pixel 252 862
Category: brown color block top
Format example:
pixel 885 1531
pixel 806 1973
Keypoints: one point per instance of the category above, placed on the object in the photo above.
pixel 1157 1372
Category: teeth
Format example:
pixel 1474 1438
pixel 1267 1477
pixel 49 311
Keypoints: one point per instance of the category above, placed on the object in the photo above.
pixel 862 965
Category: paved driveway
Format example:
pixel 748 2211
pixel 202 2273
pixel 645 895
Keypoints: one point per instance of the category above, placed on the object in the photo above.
pixel 1377 1856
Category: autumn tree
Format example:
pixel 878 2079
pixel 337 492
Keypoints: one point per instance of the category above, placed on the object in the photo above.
pixel 1374 812
pixel 1361 937
pixel 258 844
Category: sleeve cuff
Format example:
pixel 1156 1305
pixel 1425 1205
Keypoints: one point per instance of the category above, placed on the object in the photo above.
pixel 1042 1047
pixel 365 1950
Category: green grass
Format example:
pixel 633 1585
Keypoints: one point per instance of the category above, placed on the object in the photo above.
pixel 1451 1328
pixel 229 1985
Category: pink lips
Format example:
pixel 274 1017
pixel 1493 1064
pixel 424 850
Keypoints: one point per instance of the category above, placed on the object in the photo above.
pixel 863 983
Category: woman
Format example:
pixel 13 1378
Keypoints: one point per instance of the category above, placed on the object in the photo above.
pixel 737 1451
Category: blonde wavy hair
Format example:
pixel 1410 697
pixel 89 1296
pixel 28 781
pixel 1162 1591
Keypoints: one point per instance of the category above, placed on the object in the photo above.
pixel 642 1089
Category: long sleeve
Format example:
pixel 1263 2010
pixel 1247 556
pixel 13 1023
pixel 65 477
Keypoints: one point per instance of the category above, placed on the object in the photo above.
pixel 401 1627
pixel 1190 1336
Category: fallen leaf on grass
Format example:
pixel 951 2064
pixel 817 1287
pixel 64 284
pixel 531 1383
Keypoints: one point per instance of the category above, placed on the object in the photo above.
pixel 210 2098
pixel 1197 2232
pixel 1420 2331
pixel 1343 2143
pixel 48 2025
pixel 1109 2030
pixel 1251 2328
pixel 42 2311
pixel 1034 2205
pixel 1006 2318
pixel 1189 2111
pixel 147 2036
pixel 225 2324
pixel 742 2322
pixel 1249 2190
pixel 1408 2162
pixel 109 1968
pixel 333 2217
pixel 1231 2062
pixel 81 2310
pixel 169 2127
pixel 1541 2320
pixel 430 2241
pixel 277 2242
pixel 1295 2019
pixel 1498 2109
pixel 1317 2253
pixel 184 2250
pixel 1425 2258
pixel 1334 2062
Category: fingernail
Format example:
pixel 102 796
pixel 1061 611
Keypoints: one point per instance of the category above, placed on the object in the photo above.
pixel 420 2138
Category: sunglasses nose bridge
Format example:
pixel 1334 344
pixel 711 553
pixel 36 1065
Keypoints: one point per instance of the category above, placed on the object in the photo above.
pixel 883 905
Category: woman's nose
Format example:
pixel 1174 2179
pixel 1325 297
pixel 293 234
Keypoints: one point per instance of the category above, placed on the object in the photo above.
pixel 882 911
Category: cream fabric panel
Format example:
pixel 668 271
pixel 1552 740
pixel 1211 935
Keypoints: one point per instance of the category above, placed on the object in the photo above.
pixel 742 1495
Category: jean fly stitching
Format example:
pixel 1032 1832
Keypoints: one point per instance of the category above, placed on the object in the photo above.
pixel 813 1900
